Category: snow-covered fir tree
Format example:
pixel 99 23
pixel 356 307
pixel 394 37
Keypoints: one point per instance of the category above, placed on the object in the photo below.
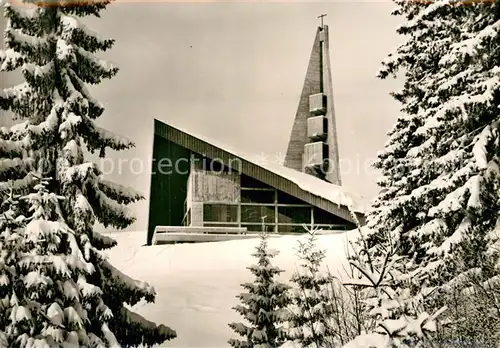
pixel 264 304
pixel 11 223
pixel 310 319
pixel 46 296
pixel 395 318
pixel 440 200
pixel 56 54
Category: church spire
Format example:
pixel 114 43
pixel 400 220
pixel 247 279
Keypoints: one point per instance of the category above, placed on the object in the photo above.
pixel 313 144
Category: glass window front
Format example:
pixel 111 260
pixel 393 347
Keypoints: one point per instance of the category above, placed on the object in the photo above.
pixel 247 181
pixel 324 217
pixel 254 213
pixel 284 198
pixel 291 229
pixel 294 215
pixel 220 213
pixel 257 196
pixel 258 228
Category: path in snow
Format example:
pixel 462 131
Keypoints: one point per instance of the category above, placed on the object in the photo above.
pixel 196 284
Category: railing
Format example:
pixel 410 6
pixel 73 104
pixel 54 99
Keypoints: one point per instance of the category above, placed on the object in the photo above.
pixel 196 230
pixel 200 229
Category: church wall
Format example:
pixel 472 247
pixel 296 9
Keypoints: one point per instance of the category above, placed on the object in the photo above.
pixel 168 189
pixel 312 85
pixel 196 214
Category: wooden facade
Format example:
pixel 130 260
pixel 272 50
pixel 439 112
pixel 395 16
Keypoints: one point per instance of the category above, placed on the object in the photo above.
pixel 168 188
pixel 214 187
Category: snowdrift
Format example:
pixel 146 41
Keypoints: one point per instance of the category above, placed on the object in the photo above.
pixel 196 284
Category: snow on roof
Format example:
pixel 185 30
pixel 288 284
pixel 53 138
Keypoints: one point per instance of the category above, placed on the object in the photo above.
pixel 330 192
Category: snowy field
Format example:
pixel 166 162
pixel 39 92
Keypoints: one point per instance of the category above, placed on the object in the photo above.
pixel 196 284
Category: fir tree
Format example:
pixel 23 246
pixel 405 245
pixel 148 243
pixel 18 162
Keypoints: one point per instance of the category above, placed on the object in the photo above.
pixel 310 322
pixel 47 299
pixel 440 168
pixel 55 52
pixel 11 223
pixel 264 305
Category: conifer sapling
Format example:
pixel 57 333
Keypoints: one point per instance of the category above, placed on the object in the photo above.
pixel 310 324
pixel 263 305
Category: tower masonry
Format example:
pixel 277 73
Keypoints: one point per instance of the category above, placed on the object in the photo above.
pixel 313 146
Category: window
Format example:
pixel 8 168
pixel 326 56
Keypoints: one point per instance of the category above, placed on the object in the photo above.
pixel 220 212
pixel 254 213
pixel 284 198
pixel 294 215
pixel 291 229
pixel 258 227
pixel 247 181
pixel 257 196
pixel 323 217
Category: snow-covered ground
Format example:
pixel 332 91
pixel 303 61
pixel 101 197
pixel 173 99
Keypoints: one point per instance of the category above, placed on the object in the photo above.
pixel 196 284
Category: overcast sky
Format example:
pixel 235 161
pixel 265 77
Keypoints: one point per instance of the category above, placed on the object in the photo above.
pixel 234 72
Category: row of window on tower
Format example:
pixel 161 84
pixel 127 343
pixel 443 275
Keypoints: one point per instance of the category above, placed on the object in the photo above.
pixel 316 151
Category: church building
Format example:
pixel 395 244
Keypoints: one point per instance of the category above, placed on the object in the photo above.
pixel 199 186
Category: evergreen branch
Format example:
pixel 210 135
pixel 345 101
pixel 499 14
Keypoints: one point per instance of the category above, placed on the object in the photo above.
pixel 121 194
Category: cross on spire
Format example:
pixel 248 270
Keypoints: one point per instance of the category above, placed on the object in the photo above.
pixel 321 17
